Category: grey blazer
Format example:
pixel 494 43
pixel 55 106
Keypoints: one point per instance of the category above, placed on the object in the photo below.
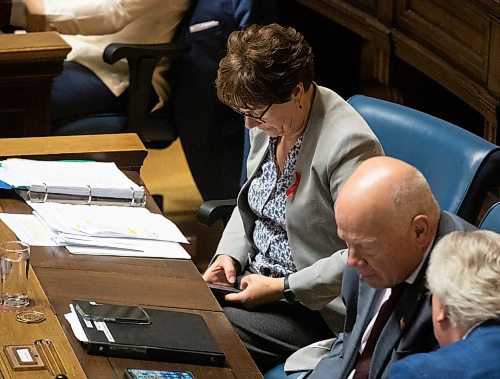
pixel 336 140
pixel 408 331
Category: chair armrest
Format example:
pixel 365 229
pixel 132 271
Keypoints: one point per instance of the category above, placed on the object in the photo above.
pixel 215 210
pixel 116 51
pixel 142 60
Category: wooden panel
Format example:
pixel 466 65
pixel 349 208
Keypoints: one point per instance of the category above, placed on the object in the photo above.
pixel 380 9
pixel 368 6
pixel 22 115
pixel 349 16
pixel 494 63
pixel 454 43
pixel 456 31
pixel 445 74
pixel 28 64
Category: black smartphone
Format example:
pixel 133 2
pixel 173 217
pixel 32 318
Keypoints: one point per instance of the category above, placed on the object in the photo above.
pixel 134 373
pixel 220 290
pixel 91 310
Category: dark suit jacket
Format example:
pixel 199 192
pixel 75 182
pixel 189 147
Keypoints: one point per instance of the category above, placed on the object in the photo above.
pixel 476 356
pixel 408 331
pixel 211 133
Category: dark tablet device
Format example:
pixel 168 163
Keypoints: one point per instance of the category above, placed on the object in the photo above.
pixel 219 289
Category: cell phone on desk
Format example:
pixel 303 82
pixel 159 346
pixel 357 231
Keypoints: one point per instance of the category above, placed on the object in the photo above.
pixel 221 290
pixel 95 311
pixel 134 373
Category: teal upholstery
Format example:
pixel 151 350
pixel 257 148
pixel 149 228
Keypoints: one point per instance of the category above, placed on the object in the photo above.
pixel 459 166
pixel 491 219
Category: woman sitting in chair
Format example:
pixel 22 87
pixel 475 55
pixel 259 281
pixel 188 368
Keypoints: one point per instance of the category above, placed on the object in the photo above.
pixel 87 84
pixel 305 141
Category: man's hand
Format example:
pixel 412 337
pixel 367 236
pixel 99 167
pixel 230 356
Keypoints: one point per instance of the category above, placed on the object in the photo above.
pixel 222 271
pixel 258 290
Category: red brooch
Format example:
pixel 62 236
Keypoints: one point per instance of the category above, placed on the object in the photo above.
pixel 293 188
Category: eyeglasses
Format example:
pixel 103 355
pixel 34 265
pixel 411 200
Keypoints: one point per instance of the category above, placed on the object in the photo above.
pixel 256 118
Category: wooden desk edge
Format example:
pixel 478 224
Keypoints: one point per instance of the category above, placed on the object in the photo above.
pixel 30 47
pixel 126 149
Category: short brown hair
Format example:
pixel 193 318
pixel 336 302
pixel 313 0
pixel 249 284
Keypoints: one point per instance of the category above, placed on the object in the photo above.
pixel 263 65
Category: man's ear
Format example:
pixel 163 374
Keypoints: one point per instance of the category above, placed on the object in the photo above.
pixel 421 228
pixel 442 314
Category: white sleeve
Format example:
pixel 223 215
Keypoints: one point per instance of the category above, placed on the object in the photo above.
pixel 91 17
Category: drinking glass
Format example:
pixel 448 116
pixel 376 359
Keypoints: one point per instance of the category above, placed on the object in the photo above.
pixel 14 268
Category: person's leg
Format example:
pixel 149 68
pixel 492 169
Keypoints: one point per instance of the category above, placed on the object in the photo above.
pixel 273 332
pixel 77 92
pixel 215 159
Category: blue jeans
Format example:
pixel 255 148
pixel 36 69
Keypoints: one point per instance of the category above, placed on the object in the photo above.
pixel 78 93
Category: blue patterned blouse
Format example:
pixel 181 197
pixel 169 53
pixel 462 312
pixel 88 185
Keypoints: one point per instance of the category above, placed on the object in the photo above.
pixel 267 199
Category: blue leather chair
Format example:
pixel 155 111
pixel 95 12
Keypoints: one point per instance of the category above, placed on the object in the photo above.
pixel 278 372
pixel 491 219
pixel 459 166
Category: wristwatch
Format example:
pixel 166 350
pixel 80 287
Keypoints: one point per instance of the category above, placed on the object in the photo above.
pixel 288 293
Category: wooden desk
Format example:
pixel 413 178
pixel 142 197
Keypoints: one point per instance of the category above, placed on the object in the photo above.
pixel 15 333
pixel 155 283
pixel 164 283
pixel 143 282
pixel 28 65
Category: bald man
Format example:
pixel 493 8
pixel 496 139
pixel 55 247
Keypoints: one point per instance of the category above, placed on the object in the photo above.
pixel 390 221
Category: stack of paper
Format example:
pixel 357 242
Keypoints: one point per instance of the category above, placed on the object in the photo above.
pixel 71 181
pixel 99 230
pixel 81 226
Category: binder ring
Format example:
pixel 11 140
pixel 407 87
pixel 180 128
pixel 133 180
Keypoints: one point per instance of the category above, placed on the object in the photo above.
pixel 136 202
pixel 89 199
pixel 45 195
pixel 132 201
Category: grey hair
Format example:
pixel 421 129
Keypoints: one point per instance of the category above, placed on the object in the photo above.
pixel 464 273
